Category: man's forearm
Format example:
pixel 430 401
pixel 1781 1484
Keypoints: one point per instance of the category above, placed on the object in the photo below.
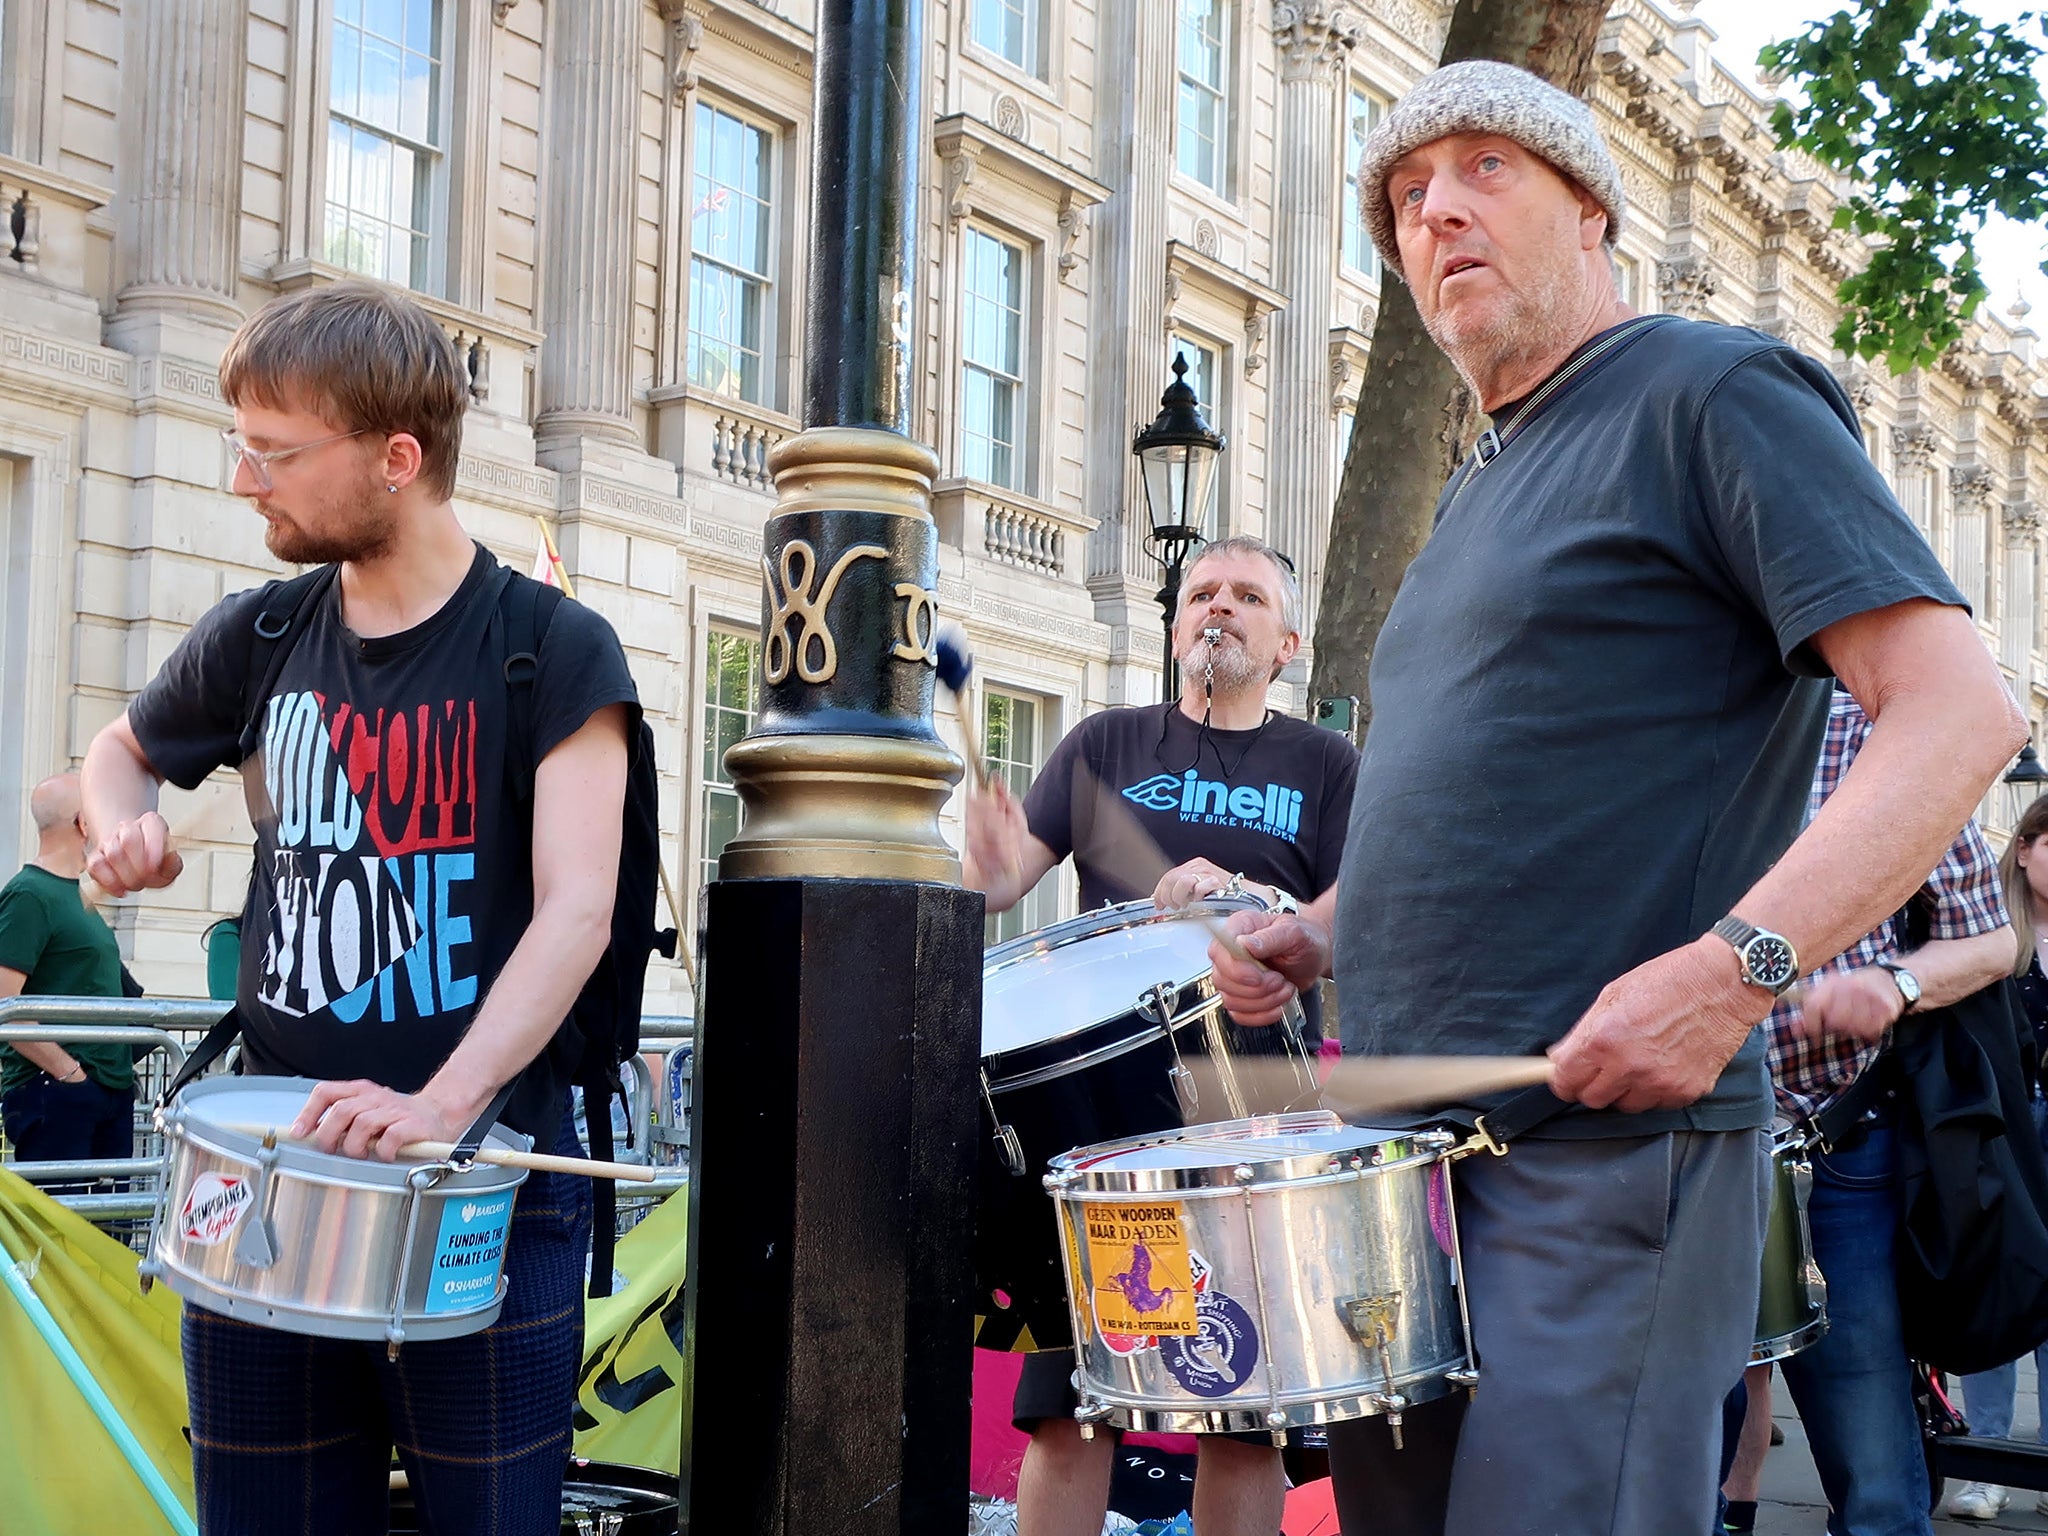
pixel 116 783
pixel 1918 778
pixel 1949 969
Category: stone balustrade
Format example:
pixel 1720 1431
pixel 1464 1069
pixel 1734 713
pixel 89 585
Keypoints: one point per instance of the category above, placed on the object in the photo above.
pixel 1011 529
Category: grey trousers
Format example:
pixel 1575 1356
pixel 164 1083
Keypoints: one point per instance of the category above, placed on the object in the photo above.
pixel 1613 1291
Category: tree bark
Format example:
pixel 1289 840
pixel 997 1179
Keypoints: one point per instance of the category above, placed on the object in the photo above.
pixel 1415 418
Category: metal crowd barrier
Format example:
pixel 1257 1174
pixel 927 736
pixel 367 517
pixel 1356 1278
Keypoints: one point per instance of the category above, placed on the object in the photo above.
pixel 169 1027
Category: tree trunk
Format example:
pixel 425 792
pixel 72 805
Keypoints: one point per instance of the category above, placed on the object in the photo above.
pixel 1415 418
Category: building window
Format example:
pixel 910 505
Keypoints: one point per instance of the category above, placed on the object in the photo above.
pixel 1203 371
pixel 992 362
pixel 1345 421
pixel 731 665
pixel 1009 30
pixel 1916 495
pixel 384 138
pixel 1362 114
pixel 1628 281
pixel 1204 136
pixel 731 208
pixel 1013 737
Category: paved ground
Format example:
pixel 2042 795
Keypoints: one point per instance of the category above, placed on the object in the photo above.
pixel 1790 1502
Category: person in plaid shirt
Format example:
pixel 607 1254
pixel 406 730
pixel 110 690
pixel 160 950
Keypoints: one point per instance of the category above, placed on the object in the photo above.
pixel 1854 1387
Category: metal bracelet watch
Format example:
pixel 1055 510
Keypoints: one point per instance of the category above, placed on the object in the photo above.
pixel 1768 959
pixel 1908 984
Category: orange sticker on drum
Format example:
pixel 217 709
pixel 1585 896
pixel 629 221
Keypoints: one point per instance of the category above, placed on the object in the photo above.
pixel 1142 1272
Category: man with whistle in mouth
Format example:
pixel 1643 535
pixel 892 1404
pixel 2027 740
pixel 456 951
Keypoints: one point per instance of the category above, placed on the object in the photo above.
pixel 1636 591
pixel 1235 791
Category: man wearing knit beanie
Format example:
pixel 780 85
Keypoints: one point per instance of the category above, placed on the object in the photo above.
pixel 1637 586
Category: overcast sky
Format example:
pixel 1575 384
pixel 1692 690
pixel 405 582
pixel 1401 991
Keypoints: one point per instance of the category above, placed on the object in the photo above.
pixel 2010 254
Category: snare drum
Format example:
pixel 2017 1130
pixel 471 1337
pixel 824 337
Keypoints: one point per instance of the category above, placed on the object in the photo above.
pixel 1792 1306
pixel 1262 1274
pixel 311 1242
pixel 1104 1026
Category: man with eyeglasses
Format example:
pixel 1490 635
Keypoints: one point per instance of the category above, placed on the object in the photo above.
pixel 61 1103
pixel 429 896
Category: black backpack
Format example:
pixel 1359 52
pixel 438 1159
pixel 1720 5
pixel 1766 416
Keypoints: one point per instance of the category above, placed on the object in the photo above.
pixel 602 1030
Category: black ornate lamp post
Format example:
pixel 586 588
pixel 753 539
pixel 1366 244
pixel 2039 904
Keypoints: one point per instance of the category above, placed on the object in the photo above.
pixel 2024 781
pixel 830 1306
pixel 1177 454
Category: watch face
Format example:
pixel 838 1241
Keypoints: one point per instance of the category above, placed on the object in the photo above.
pixel 1909 985
pixel 1770 960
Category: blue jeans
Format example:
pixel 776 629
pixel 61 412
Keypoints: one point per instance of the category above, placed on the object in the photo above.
pixel 1988 1395
pixel 1854 1388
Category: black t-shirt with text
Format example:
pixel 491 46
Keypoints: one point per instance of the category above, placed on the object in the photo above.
pixel 393 867
pixel 1271 803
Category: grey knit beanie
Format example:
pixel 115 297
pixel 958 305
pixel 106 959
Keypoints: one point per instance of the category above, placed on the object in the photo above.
pixel 1486 96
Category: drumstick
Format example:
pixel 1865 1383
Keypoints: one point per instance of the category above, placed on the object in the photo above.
pixel 502 1157
pixel 1360 1087
pixel 956 665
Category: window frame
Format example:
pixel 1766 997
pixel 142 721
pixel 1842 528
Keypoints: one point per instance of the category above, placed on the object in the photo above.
pixel 434 275
pixel 1044 903
pixel 702 862
pixel 774 278
pixel 1354 218
pixel 1033 64
pixel 1225 94
pixel 1024 447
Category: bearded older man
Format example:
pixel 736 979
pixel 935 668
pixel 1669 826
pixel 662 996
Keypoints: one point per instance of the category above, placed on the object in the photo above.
pixel 1638 585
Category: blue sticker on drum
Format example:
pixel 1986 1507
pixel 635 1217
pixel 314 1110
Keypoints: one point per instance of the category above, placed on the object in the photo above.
pixel 1221 1355
pixel 469 1252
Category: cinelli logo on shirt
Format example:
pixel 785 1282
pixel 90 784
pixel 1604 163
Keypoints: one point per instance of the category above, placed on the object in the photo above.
pixel 1275 809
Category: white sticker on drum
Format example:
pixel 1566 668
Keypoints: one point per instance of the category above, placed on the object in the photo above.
pixel 1142 1272
pixel 213 1205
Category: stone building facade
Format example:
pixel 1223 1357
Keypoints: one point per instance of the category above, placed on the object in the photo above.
pixel 605 203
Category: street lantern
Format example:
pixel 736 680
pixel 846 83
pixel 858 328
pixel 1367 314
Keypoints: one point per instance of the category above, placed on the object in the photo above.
pixel 2025 781
pixel 1177 454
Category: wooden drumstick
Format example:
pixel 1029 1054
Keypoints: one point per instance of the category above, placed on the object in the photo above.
pixel 501 1157
pixel 1359 1087
pixel 955 666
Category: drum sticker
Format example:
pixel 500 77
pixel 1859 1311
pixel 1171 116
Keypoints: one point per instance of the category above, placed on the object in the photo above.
pixel 468 1253
pixel 1131 1344
pixel 1440 1207
pixel 1223 1353
pixel 1142 1272
pixel 212 1207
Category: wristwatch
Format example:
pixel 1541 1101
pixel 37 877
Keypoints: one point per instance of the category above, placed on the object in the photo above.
pixel 1908 983
pixel 1768 959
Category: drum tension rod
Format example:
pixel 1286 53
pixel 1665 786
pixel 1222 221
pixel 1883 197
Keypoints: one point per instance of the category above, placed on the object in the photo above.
pixel 1156 1004
pixel 1373 1321
pixel 1009 1146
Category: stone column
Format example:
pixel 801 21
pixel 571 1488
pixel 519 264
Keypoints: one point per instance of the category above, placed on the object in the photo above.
pixel 1315 38
pixel 181 120
pixel 586 289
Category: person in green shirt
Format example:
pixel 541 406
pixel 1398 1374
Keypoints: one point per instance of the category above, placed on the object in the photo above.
pixel 59 1103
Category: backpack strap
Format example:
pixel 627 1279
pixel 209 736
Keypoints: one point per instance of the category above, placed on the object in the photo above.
pixel 280 621
pixel 526 608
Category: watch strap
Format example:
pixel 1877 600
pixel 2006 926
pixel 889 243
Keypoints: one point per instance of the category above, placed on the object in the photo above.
pixel 1741 935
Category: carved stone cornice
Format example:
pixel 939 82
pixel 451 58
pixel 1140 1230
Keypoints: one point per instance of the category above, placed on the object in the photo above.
pixel 1972 487
pixel 1913 446
pixel 685 37
pixel 972 154
pixel 1685 282
pixel 1314 37
pixel 500 9
pixel 2022 522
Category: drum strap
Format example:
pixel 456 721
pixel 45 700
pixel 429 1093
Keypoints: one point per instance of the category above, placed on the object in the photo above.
pixel 209 1050
pixel 1494 1129
pixel 472 1139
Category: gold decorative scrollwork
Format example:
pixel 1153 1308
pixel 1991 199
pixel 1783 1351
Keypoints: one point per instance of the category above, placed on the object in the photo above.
pixel 920 624
pixel 795 600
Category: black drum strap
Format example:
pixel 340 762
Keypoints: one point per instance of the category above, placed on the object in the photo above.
pixel 472 1139
pixel 215 1041
pixel 1517 1116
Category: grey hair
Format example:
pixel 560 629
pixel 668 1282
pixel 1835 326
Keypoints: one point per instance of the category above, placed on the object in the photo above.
pixel 1245 544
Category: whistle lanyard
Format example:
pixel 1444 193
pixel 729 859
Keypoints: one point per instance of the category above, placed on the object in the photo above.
pixel 1492 441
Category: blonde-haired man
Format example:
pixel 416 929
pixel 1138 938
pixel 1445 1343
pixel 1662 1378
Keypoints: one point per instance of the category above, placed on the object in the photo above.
pixel 428 899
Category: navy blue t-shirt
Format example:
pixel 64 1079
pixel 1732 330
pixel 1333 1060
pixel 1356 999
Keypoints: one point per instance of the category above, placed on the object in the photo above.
pixel 1596 707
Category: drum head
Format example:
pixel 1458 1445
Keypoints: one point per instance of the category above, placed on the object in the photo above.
pixel 235 1111
pixel 1075 975
pixel 1274 1147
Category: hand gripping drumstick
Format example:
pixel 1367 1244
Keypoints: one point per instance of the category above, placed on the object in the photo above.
pixel 1359 1086
pixel 501 1157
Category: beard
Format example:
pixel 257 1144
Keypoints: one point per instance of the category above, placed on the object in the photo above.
pixel 354 529
pixel 1525 325
pixel 1225 667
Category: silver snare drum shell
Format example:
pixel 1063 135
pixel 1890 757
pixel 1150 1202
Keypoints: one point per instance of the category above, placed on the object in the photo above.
pixel 1261 1274
pixel 310 1242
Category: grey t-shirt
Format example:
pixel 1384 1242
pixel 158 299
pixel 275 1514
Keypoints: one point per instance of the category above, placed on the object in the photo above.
pixel 1596 710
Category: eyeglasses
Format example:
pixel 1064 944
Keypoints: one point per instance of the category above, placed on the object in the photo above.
pixel 260 460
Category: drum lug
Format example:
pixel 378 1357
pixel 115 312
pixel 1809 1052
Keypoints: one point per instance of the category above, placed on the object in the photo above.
pixel 1009 1146
pixel 1090 1414
pixel 1373 1320
pixel 257 1246
pixel 1391 1404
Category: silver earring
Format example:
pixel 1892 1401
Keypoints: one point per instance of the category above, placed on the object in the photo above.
pixel 391 490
